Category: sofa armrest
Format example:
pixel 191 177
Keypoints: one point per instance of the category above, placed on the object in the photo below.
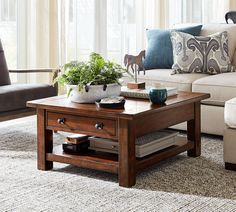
pixel 40 70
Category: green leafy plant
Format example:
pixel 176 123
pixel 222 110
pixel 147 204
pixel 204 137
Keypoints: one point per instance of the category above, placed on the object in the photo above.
pixel 96 71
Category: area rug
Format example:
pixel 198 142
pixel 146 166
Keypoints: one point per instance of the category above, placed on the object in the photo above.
pixel 178 184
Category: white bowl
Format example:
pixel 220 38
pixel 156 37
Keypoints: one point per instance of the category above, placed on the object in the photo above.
pixel 95 93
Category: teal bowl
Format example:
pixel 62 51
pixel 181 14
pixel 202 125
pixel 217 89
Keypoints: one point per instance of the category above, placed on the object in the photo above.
pixel 158 96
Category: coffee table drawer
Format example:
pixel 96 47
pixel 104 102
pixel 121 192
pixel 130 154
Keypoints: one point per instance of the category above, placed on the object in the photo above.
pixel 87 125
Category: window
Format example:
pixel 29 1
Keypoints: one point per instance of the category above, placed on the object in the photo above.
pixel 8 10
pixel 201 11
pixel 79 28
pixel 108 27
pixel 8 32
pixel 121 28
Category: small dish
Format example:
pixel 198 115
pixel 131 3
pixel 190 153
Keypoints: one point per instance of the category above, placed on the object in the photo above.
pixel 119 105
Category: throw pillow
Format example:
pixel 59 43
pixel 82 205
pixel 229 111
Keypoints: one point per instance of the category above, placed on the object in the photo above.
pixel 159 53
pixel 200 54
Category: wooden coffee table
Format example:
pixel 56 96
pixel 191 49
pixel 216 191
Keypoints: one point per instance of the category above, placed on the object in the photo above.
pixel 138 118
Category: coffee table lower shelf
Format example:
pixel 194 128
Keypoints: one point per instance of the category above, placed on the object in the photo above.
pixel 110 162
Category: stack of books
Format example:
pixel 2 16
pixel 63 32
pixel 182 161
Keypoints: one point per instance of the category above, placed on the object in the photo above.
pixel 145 145
pixel 76 143
pixel 144 93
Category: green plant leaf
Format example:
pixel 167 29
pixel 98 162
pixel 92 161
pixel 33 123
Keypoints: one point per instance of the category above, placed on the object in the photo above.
pixel 96 71
pixel 69 92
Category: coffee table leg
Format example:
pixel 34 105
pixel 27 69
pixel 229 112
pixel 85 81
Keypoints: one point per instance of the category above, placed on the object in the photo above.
pixel 194 131
pixel 45 141
pixel 127 159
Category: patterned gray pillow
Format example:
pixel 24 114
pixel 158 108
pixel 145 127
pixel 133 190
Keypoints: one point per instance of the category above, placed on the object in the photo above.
pixel 200 54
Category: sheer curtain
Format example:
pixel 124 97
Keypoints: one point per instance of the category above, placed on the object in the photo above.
pixel 109 27
pixel 29 33
pixel 38 44
pixel 200 11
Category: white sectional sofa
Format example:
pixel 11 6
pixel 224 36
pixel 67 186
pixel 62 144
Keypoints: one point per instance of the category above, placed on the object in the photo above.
pixel 230 135
pixel 222 87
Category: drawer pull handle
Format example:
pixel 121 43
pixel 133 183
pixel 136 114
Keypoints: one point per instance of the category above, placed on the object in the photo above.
pixel 99 126
pixel 61 121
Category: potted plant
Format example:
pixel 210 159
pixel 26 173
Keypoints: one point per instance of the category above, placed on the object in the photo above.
pixel 93 80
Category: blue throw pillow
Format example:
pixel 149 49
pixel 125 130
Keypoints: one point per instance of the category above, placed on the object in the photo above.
pixel 159 53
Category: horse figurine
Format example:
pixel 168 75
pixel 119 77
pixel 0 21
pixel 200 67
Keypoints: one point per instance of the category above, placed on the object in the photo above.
pixel 230 15
pixel 130 61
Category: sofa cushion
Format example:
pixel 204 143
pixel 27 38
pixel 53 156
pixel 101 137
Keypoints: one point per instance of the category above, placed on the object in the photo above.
pixel 159 50
pixel 229 114
pixel 4 74
pixel 200 54
pixel 15 96
pixel 182 82
pixel 222 87
pixel 209 29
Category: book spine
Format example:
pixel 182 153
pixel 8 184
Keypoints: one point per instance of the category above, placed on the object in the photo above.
pixel 75 141
pixel 135 95
pixel 143 95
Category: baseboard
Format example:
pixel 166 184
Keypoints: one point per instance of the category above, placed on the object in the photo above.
pixel 5 116
pixel 230 166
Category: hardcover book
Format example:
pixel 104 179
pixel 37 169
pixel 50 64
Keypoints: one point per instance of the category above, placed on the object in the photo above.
pixel 144 93
pixel 145 145
pixel 76 138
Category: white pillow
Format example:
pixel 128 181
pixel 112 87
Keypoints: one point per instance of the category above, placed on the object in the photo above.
pixel 200 54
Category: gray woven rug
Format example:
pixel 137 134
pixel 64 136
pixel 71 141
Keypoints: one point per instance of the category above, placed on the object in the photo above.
pixel 178 184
